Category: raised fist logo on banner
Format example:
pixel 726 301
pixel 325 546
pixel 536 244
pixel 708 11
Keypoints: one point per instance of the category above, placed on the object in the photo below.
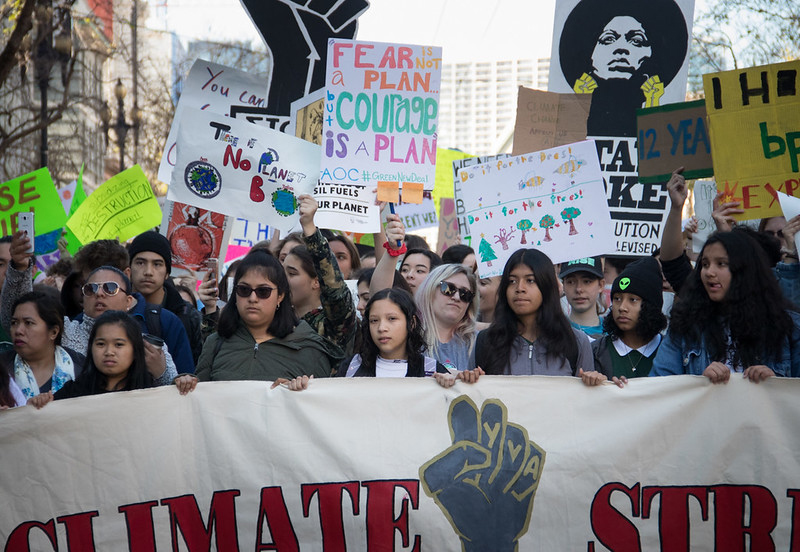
pixel 485 482
pixel 297 34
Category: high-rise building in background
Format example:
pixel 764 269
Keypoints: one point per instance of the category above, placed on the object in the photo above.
pixel 478 102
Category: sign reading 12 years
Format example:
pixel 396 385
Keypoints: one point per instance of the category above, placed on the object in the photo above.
pixel 381 113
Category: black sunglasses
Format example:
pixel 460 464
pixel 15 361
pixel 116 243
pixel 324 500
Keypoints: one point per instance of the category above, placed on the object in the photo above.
pixel 262 292
pixel 109 288
pixel 449 289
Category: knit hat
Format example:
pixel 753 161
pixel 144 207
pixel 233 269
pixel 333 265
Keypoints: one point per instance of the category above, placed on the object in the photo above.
pixel 642 278
pixel 592 265
pixel 152 241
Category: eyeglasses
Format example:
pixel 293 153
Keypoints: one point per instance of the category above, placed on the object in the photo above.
pixel 262 292
pixel 109 288
pixel 449 289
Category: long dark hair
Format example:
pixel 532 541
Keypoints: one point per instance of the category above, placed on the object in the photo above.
pixel 754 309
pixel 6 373
pixel 552 325
pixel 415 342
pixel 49 309
pixel 651 322
pixel 138 376
pixel 268 266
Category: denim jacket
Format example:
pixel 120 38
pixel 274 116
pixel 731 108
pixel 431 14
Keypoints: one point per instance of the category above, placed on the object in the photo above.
pixel 677 357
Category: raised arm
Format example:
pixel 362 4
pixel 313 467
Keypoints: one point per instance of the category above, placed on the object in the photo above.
pixel 19 277
pixel 672 238
pixel 383 277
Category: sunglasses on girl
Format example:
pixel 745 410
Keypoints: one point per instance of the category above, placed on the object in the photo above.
pixel 109 288
pixel 262 292
pixel 449 289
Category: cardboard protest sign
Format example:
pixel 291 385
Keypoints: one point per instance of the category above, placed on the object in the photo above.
pixel 35 192
pixel 350 208
pixel 552 200
pixel 195 235
pixel 672 136
pixel 548 119
pixel 459 181
pixel 416 216
pixel 754 115
pixel 242 170
pixel 307 115
pixel 704 193
pixel 790 206
pixel 348 465
pixel 215 88
pixel 448 225
pixel 625 54
pixel 382 109
pixel 124 206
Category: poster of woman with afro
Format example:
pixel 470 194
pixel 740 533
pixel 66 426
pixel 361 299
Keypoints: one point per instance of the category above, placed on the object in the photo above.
pixel 627 53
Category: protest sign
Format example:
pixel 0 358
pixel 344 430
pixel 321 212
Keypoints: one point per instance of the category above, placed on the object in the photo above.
pixel 347 465
pixel 73 243
pixel 35 192
pixel 625 55
pixel 242 170
pixel 704 193
pixel 445 175
pixel 548 119
pixel 124 206
pixel 790 206
pixel 350 208
pixel 637 209
pixel 552 200
pixel 416 216
pixel 381 113
pixel 448 225
pixel 754 119
pixel 307 114
pixel 215 88
pixel 245 233
pixel 195 235
pixel 672 136
pixel 458 183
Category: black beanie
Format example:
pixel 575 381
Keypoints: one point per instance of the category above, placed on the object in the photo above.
pixel 642 278
pixel 152 241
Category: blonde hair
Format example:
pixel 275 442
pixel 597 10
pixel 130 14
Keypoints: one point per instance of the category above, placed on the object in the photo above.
pixel 465 330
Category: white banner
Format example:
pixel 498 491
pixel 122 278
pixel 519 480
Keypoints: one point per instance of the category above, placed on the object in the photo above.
pixel 670 463
pixel 242 170
pixel 215 88
pixel 552 200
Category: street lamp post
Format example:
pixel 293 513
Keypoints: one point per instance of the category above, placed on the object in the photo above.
pixel 121 126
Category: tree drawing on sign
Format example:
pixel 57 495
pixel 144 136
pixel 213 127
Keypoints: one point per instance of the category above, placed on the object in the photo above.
pixel 547 223
pixel 524 226
pixel 503 237
pixel 570 214
pixel 486 252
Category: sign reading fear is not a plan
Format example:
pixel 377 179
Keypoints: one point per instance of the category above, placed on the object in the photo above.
pixel 242 170
pixel 381 113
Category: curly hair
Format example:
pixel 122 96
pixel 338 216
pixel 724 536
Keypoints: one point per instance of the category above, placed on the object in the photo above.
pixel 754 310
pixel 415 340
pixel 427 290
pixel 552 324
pixel 99 253
pixel 651 322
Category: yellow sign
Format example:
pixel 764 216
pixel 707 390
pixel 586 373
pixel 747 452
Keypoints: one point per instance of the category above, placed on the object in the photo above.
pixel 443 185
pixel 754 123
pixel 123 207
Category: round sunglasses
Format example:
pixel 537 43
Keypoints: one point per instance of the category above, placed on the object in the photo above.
pixel 262 292
pixel 449 289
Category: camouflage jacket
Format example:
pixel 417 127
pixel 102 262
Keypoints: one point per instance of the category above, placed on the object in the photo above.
pixel 335 320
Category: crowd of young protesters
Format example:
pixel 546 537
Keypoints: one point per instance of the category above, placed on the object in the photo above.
pixel 113 319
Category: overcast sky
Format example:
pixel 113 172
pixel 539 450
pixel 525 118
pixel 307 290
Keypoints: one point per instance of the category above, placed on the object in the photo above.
pixel 465 29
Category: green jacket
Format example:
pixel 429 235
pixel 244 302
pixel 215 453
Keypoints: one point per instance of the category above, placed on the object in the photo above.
pixel 302 352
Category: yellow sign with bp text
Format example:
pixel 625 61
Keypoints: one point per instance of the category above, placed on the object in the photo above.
pixel 754 125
